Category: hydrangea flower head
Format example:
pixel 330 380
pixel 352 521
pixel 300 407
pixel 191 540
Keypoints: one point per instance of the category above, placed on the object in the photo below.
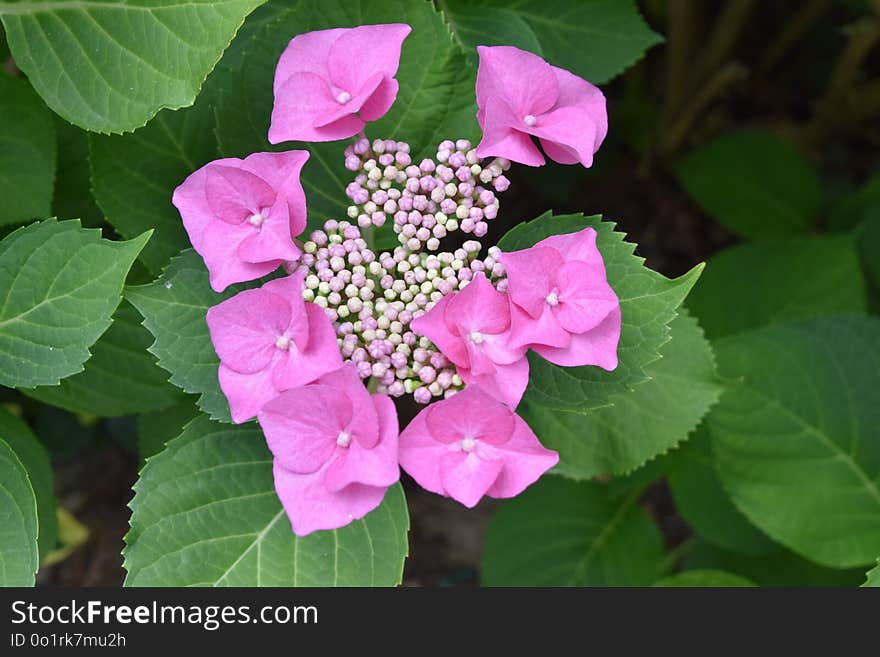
pixel 335 450
pixel 329 83
pixel 521 96
pixel 472 329
pixel 242 215
pixel 269 340
pixel 560 302
pixel 471 445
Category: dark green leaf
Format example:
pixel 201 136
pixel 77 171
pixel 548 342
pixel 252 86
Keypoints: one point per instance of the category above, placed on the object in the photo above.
pixel 703 579
pixel 19 556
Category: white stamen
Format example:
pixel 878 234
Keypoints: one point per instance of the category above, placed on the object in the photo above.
pixel 529 120
pixel 256 220
pixel 343 439
pixel 343 97
pixel 476 337
pixel 468 444
pixel 552 299
pixel 282 343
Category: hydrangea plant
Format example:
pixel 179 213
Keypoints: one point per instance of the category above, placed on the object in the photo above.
pixel 317 295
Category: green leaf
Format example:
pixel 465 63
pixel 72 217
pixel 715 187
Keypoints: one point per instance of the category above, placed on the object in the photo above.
pixel 774 569
pixel 436 99
pixel 873 576
pixel 121 377
pixel 648 302
pixel 59 285
pixel 73 196
pixel 751 285
pixel 868 240
pixel 703 503
pixel 35 460
pixel 174 309
pixel 858 207
pixel 134 176
pixel 596 39
pixel 109 66
pixel 565 533
pixel 754 183
pixel 155 429
pixel 640 424
pixel 704 579
pixel 19 556
pixel 27 153
pixel 205 513
pixel 796 435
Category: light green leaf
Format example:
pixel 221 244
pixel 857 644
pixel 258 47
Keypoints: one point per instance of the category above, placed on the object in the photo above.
pixel 703 503
pixel 796 435
pixel 596 39
pixel 205 513
pixel 134 176
pixel 436 99
pixel 35 460
pixel 19 556
pixel 121 377
pixel 59 286
pixel 754 183
pixel 648 302
pixel 565 533
pixel 640 424
pixel 873 576
pixel 174 309
pixel 109 66
pixel 704 579
pixel 774 569
pixel 157 428
pixel 27 153
pixel 752 285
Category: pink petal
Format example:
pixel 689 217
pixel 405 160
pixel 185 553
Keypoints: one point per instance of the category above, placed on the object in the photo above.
pixel 376 466
pixel 507 384
pixel 526 331
pixel 577 92
pixel 272 239
pixel 246 393
pixel 470 413
pixel 500 139
pixel 466 477
pixel 585 298
pixel 219 250
pixel 522 80
pixel 321 355
pixel 420 452
pixel 245 327
pixel 306 110
pixel 433 325
pixel 363 51
pixel 306 53
pixel 525 460
pixel 234 194
pixel 595 347
pixel 302 425
pixel 290 288
pixel 380 101
pixel 580 245
pixel 353 105
pixel 572 128
pixel 364 424
pixel 531 276
pixel 311 507
pixel 282 171
pixel 479 307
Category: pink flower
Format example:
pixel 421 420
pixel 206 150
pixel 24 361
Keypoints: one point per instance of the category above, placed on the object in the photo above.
pixel 472 329
pixel 329 83
pixel 471 445
pixel 521 96
pixel 269 340
pixel 242 215
pixel 560 302
pixel 335 449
